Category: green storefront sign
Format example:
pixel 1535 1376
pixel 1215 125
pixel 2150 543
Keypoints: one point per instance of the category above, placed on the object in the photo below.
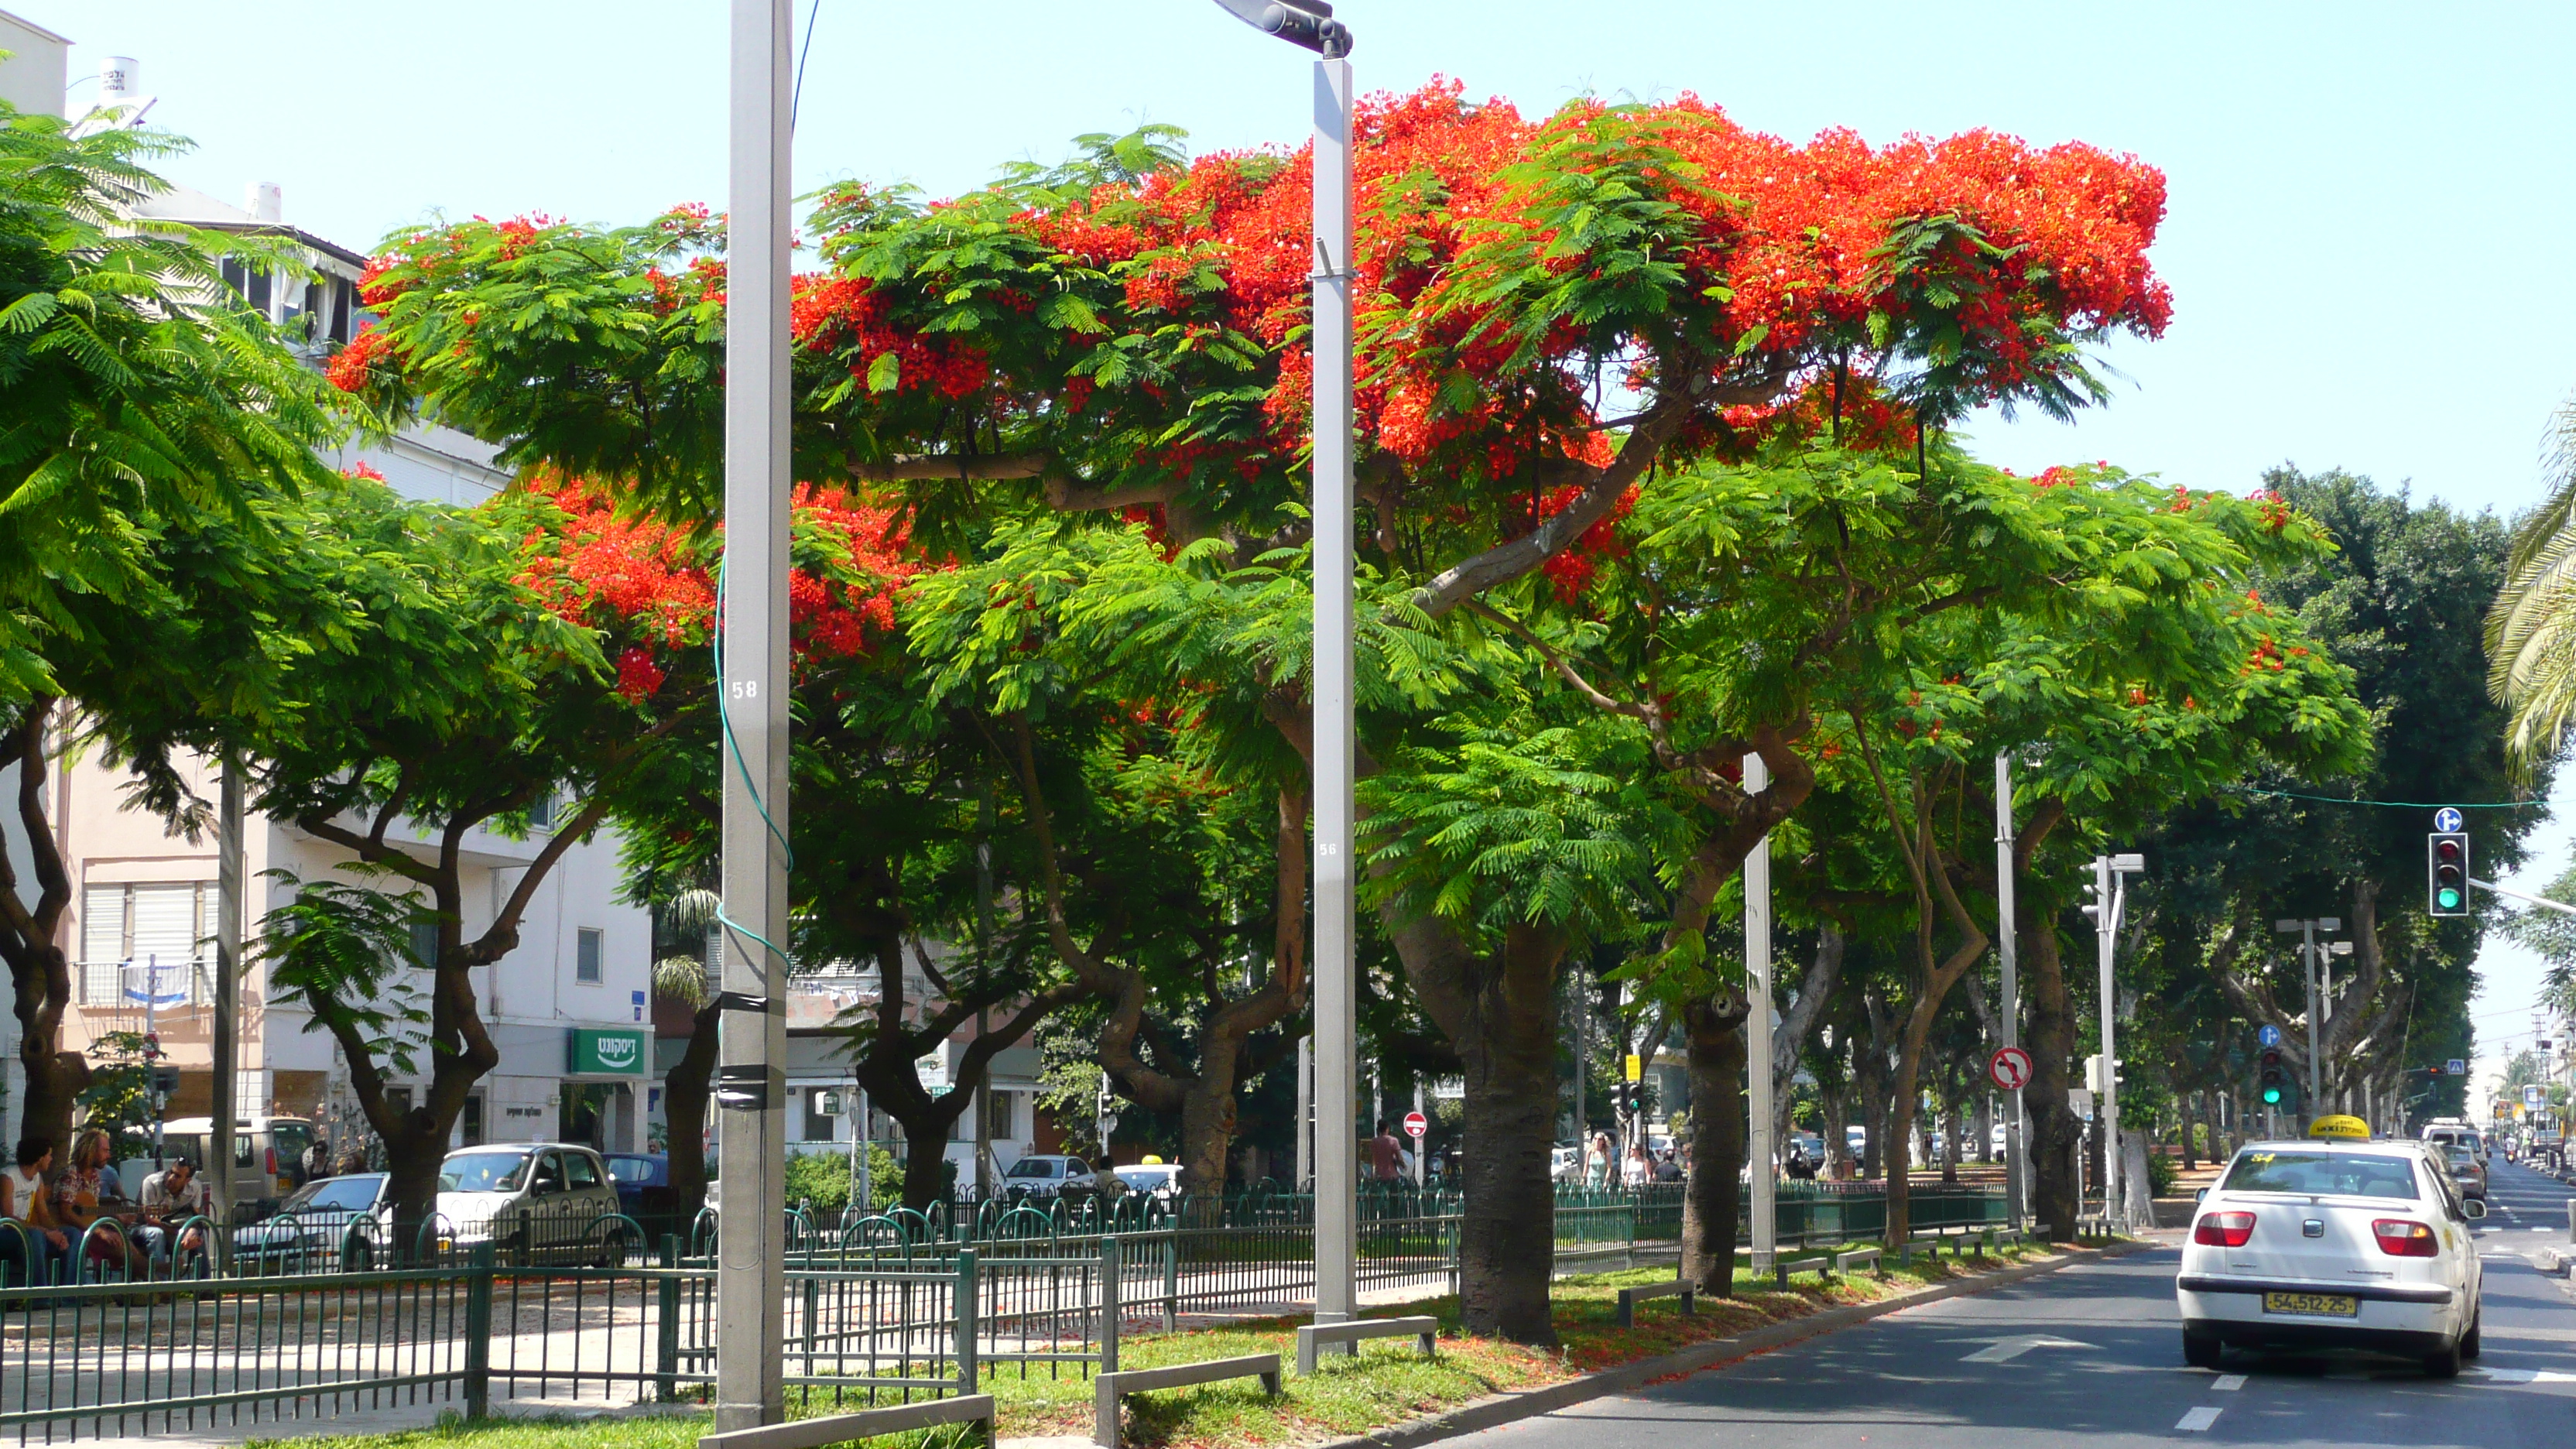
pixel 607 1053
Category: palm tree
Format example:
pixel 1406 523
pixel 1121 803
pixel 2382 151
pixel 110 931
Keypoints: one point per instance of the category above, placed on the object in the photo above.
pixel 2531 629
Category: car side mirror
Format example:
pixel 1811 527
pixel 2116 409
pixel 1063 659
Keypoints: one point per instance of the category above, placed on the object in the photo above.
pixel 2201 1196
pixel 2474 1208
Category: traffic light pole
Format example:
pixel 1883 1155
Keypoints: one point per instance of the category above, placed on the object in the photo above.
pixel 2308 959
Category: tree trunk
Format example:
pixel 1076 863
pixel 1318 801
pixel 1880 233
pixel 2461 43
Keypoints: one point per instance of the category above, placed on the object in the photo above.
pixel 40 976
pixel 685 1090
pixel 1715 1032
pixel 1207 1125
pixel 1507 1236
pixel 925 1157
pixel 2054 1129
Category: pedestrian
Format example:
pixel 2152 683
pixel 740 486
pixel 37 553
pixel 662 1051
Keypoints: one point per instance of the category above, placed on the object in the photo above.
pixel 1639 1171
pixel 34 1241
pixel 1598 1164
pixel 171 1197
pixel 1386 1155
pixel 84 1195
pixel 316 1161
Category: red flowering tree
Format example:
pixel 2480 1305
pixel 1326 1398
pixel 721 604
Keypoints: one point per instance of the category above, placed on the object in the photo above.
pixel 1556 314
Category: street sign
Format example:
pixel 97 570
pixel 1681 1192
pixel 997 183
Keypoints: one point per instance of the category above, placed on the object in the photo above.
pixel 2009 1068
pixel 1636 1067
pixel 2269 1035
pixel 2448 820
pixel 2456 1067
pixel 2535 1096
pixel 1415 1125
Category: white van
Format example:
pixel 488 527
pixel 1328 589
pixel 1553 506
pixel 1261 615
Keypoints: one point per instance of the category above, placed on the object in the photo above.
pixel 268 1155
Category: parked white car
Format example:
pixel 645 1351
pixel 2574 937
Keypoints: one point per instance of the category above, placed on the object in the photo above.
pixel 2328 1243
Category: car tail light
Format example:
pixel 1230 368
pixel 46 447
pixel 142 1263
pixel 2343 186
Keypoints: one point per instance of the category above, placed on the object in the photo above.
pixel 2404 1238
pixel 272 1162
pixel 2224 1230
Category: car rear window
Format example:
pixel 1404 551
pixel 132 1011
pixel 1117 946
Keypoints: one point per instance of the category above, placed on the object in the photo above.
pixel 2325 1174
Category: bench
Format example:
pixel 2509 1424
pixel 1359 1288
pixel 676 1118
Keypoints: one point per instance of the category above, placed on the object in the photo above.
pixel 865 1424
pixel 1844 1262
pixel 1108 1389
pixel 1313 1336
pixel 1781 1268
pixel 2000 1238
pixel 1629 1298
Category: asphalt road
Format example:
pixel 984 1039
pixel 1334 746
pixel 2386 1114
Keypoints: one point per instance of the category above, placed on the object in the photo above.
pixel 2094 1353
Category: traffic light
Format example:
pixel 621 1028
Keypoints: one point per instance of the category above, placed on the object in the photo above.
pixel 2275 1081
pixel 2446 868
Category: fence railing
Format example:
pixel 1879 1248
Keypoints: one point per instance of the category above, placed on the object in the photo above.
pixel 888 1308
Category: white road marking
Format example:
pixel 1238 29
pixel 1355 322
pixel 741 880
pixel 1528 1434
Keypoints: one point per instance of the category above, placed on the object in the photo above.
pixel 2005 1350
pixel 2524 1376
pixel 2198 1420
pixel 2227 1383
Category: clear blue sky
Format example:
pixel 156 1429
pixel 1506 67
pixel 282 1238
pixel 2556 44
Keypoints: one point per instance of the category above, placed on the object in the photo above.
pixel 2367 239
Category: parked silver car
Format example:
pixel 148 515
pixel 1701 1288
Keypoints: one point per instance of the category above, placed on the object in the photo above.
pixel 534 1202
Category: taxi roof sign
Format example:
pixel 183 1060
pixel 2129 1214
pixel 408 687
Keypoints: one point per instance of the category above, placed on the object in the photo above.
pixel 2351 1129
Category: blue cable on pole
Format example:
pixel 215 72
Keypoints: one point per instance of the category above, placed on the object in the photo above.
pixel 733 748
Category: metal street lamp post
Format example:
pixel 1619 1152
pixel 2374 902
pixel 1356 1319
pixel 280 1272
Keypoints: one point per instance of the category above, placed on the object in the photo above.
pixel 1757 1030
pixel 2015 1175
pixel 1309 23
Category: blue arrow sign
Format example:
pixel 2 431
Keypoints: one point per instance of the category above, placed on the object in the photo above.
pixel 2269 1036
pixel 2447 820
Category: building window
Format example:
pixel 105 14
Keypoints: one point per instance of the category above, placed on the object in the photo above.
pixel 541 813
pixel 586 965
pixel 998 1115
pixel 154 924
pixel 424 943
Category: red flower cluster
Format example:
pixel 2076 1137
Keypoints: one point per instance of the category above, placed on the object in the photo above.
pixel 652 583
pixel 355 363
pixel 833 313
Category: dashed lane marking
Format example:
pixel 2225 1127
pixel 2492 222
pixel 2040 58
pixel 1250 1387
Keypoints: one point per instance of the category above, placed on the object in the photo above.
pixel 2227 1383
pixel 2198 1420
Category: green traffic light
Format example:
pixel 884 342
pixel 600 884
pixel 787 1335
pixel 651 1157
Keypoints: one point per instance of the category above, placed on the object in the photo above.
pixel 2271 1096
pixel 2449 898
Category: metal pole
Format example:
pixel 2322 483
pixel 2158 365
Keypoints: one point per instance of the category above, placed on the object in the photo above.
pixel 2308 960
pixel 1336 1002
pixel 2016 1176
pixel 2105 924
pixel 230 868
pixel 751 1279
pixel 1582 1071
pixel 1421 1144
pixel 1306 1113
pixel 1757 1029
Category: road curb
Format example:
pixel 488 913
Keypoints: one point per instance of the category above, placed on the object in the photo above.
pixel 1517 1404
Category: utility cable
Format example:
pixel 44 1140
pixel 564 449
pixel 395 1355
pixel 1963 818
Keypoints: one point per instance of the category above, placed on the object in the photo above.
pixel 2384 804
pixel 733 748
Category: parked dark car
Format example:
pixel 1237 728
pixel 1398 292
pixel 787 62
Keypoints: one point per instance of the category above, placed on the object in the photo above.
pixel 643 1183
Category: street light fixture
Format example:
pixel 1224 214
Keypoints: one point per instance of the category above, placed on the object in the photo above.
pixel 1309 24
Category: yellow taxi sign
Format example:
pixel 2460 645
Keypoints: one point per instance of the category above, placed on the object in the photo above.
pixel 2351 1129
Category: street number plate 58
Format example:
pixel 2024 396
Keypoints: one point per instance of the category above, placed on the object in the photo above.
pixel 2315 1305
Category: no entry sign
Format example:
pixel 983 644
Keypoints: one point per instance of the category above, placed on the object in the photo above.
pixel 2009 1068
pixel 1415 1124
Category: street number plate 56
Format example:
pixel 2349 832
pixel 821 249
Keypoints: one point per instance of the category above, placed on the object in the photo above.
pixel 2315 1305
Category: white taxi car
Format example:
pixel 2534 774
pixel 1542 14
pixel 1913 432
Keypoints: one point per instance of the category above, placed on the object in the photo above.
pixel 2334 1241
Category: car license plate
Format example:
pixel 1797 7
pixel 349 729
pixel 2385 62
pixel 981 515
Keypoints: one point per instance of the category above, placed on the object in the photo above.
pixel 2315 1305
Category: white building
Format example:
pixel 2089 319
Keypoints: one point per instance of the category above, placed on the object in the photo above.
pixel 567 1007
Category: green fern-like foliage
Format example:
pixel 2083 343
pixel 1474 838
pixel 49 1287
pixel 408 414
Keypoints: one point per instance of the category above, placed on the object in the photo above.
pixel 2531 630
pixel 134 387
